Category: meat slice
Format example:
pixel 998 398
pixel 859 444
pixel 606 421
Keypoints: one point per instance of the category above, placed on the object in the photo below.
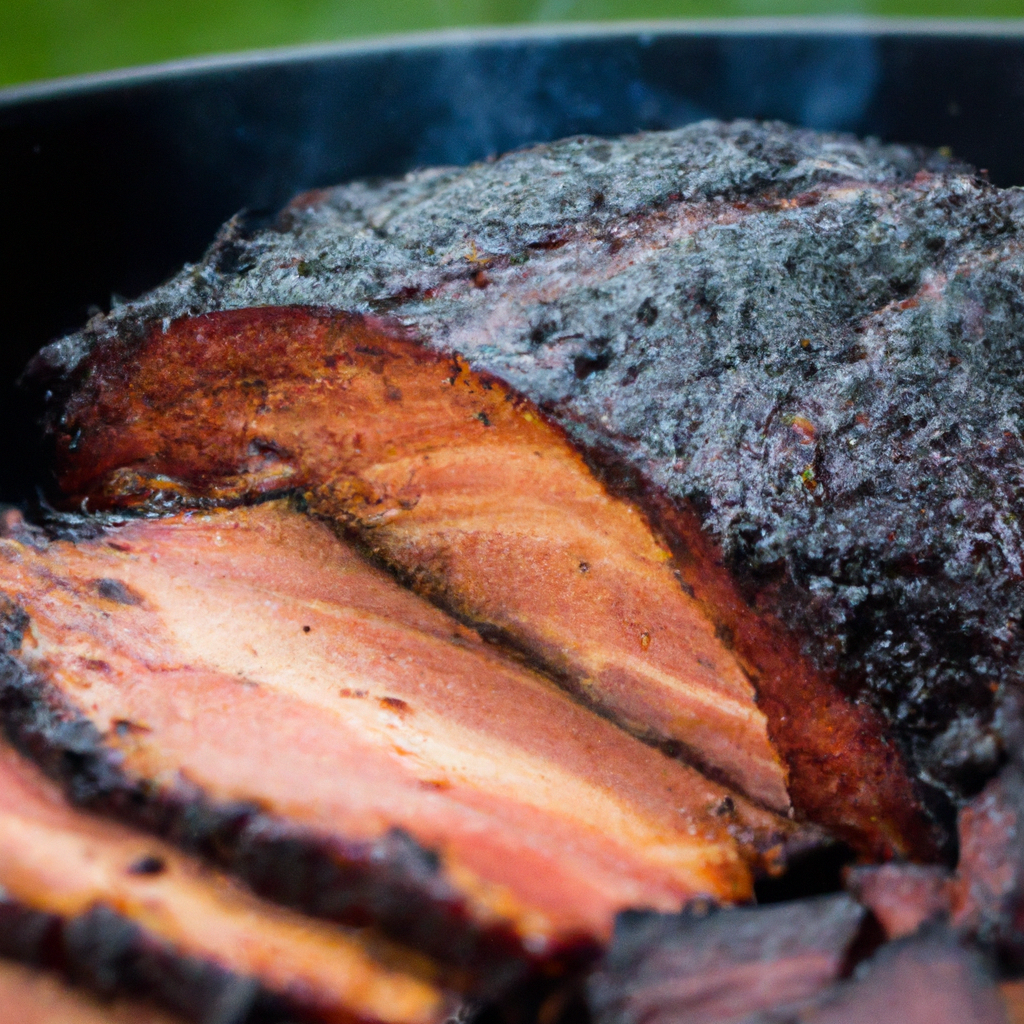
pixel 123 912
pixel 450 479
pixel 468 491
pixel 726 967
pixel 33 997
pixel 251 686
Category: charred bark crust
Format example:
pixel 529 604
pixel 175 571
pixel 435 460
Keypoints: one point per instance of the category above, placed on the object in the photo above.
pixel 820 961
pixel 393 882
pixel 109 955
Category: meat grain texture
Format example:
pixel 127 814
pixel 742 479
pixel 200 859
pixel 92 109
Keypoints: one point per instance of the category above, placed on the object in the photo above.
pixel 121 913
pixel 247 668
pixel 811 342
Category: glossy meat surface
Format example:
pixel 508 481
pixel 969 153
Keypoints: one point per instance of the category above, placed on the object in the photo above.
pixel 249 659
pixel 470 493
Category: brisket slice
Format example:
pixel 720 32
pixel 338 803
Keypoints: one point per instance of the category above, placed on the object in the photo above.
pixel 805 344
pixel 121 912
pixel 33 997
pixel 468 492
pixel 250 686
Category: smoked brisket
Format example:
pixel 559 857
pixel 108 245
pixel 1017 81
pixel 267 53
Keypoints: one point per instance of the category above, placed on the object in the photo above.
pixel 805 346
pixel 719 430
pixel 466 492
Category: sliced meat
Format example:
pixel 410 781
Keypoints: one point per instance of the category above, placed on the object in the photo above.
pixel 930 979
pixel 251 686
pixel 724 967
pixel 34 997
pixel 469 492
pixel 450 479
pixel 844 769
pixel 122 911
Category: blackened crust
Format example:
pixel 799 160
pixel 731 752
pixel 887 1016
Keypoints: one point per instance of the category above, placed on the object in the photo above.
pixel 393 882
pixel 108 954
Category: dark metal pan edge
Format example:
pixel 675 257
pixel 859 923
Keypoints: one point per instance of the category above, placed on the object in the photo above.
pixel 839 26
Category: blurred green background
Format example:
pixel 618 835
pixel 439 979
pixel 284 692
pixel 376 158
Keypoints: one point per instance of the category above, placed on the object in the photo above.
pixel 45 38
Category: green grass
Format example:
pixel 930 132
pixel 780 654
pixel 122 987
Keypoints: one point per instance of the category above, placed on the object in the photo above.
pixel 46 38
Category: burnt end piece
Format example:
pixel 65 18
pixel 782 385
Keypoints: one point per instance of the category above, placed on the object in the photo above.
pixel 723 966
pixel 989 899
pixel 109 955
pixel 393 882
pixel 983 899
pixel 929 979
pixel 903 897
